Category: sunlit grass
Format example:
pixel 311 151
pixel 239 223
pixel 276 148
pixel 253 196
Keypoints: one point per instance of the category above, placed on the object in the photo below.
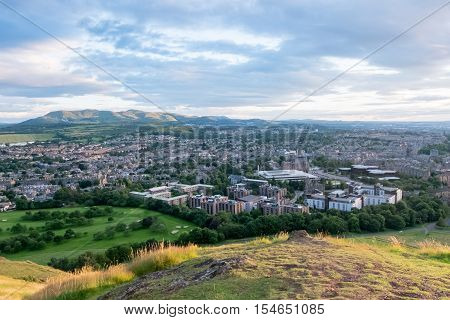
pixel 280 237
pixel 435 249
pixel 83 279
pixel 162 257
pixel 71 285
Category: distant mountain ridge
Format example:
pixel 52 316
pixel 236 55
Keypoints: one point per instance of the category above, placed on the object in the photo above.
pixel 91 116
pixel 129 117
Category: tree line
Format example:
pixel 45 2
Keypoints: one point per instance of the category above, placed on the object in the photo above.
pixel 216 228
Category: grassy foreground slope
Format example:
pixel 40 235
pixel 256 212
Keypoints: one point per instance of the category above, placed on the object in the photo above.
pixel 299 268
pixel 21 278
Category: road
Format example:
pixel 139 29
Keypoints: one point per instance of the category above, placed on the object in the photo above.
pixel 431 226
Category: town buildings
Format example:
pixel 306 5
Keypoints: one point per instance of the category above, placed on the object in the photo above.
pixel 356 197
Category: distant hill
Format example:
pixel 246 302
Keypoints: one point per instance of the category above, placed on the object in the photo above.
pixel 130 117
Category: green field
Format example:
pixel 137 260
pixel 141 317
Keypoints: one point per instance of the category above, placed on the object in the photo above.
pixel 85 241
pixel 410 236
pixel 22 137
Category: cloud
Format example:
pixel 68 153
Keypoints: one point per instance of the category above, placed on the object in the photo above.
pixel 364 68
pixel 234 58
pixel 44 68
pixel 227 35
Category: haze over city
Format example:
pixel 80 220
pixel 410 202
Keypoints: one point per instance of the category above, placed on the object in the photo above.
pixel 250 59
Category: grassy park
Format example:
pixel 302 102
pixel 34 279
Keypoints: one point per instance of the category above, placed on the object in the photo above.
pixel 169 229
pixel 410 236
pixel 20 138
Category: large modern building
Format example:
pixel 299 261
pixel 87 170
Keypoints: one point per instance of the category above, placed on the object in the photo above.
pixel 190 189
pixel 284 175
pixel 274 192
pixel 237 191
pixel 269 207
pixel 357 197
pixel 377 194
pixel 252 202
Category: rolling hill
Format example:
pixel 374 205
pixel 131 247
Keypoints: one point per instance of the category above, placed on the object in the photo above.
pixel 302 267
pixel 90 116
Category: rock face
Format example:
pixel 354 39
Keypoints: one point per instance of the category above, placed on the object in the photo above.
pixel 299 235
pixel 177 277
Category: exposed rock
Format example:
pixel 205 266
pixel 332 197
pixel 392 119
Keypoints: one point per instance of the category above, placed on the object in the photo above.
pixel 209 269
pixel 299 235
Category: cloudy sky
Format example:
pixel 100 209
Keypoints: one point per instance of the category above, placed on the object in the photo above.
pixel 242 59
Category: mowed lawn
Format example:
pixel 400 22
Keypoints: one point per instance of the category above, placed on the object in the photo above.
pixel 85 241
pixel 19 137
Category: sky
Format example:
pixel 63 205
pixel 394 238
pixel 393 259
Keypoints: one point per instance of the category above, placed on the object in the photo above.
pixel 242 59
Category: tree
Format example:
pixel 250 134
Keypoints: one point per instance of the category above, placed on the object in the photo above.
pixel 353 224
pixel 371 222
pixel 119 254
pixel 120 227
pixel 200 236
pixel 18 228
pixel 58 239
pixel 395 222
pixel 147 222
pixel 315 226
pixel 69 234
pixel 334 225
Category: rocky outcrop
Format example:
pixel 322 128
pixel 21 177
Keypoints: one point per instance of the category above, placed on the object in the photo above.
pixel 177 278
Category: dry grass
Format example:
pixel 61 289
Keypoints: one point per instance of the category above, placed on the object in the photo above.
pixel 17 289
pixel 162 257
pixel 331 268
pixel 144 261
pixel 279 237
pixel 260 240
pixel 321 235
pixel 396 242
pixel 435 249
pixel 83 280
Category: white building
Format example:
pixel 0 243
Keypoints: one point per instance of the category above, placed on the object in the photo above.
pixel 373 200
pixel 317 201
pixel 357 197
pixel 346 203
pixel 286 175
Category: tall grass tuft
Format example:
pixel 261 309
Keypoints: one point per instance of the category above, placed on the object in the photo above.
pixel 84 279
pixel 161 257
pixel 279 237
pixel 396 242
pixel 435 249
pixel 260 241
